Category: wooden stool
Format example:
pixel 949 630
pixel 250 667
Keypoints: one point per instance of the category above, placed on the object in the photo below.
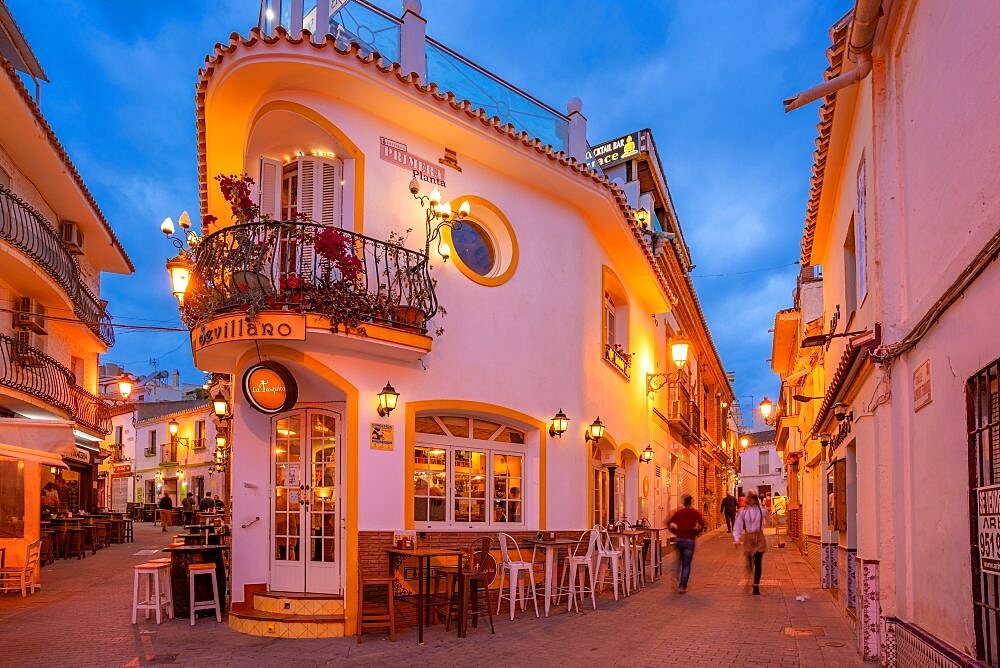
pixel 89 541
pixel 101 534
pixel 375 615
pixel 48 550
pixel 74 543
pixel 194 570
pixel 158 595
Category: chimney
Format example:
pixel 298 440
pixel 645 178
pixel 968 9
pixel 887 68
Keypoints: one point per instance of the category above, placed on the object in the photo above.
pixel 176 378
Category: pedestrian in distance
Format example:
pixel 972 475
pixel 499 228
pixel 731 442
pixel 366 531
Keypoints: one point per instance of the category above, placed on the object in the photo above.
pixel 686 523
pixel 187 505
pixel 728 509
pixel 166 507
pixel 218 504
pixel 749 529
pixel 206 505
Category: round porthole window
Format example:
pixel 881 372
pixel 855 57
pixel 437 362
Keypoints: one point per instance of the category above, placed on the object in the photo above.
pixel 475 248
pixel 483 247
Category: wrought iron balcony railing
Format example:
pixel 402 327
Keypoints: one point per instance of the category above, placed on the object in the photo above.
pixel 29 370
pixel 168 457
pixel 348 277
pixel 681 410
pixel 27 230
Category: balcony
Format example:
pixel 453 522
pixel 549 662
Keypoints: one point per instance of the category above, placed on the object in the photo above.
pixel 682 412
pixel 27 230
pixel 117 453
pixel 619 359
pixel 346 277
pixel 29 370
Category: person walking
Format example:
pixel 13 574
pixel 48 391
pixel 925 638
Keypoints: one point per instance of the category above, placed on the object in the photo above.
pixel 187 505
pixel 686 523
pixel 728 508
pixel 749 528
pixel 166 506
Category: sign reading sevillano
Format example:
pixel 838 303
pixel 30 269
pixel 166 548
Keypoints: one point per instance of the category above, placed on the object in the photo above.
pixel 395 152
pixel 269 387
pixel 266 326
pixel 988 514
pixel 612 152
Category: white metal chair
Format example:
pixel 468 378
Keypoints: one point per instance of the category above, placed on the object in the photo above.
pixel 23 576
pixel 608 554
pixel 571 570
pixel 514 569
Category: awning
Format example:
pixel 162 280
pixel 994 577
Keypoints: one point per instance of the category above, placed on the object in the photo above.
pixel 42 441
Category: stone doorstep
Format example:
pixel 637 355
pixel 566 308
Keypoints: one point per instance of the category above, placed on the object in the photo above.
pixel 289 618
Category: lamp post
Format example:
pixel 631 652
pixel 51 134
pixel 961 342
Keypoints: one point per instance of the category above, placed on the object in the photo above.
pixel 181 266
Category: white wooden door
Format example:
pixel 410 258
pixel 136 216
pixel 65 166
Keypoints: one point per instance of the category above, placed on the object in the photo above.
pixel 306 535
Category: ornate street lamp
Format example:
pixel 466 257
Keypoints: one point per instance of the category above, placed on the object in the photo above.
pixel 180 267
pixel 679 348
pixel 438 214
pixel 766 408
pixel 387 399
pixel 220 406
pixel 648 454
pixel 595 432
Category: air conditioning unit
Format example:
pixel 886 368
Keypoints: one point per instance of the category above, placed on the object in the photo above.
pixel 25 353
pixel 72 237
pixel 30 315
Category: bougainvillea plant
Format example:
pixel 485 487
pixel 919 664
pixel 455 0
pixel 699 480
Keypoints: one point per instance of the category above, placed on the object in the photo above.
pixel 236 191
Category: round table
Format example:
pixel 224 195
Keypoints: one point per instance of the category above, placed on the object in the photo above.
pixel 180 558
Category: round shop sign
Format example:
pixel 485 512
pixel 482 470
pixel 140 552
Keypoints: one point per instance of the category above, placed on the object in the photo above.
pixel 270 387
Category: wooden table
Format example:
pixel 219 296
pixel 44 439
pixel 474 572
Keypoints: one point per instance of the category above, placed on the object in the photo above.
pixel 423 595
pixel 629 535
pixel 551 547
pixel 180 558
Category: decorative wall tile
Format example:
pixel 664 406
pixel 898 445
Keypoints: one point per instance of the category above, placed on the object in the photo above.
pixel 869 610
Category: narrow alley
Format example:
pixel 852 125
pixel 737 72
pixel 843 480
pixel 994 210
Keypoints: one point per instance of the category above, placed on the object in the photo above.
pixel 717 623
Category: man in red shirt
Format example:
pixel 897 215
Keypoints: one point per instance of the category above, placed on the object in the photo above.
pixel 686 523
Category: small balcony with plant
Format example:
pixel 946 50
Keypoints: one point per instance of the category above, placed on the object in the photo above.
pixel 344 281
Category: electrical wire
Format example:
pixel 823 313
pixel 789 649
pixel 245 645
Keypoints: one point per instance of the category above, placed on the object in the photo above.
pixel 117 325
pixel 744 273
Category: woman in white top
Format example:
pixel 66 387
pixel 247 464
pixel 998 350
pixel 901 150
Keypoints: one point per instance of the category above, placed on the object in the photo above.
pixel 750 527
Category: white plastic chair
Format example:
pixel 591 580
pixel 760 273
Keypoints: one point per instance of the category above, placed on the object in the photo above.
pixel 607 552
pixel 514 569
pixel 571 570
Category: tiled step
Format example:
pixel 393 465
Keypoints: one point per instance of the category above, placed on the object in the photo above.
pixel 254 622
pixel 295 603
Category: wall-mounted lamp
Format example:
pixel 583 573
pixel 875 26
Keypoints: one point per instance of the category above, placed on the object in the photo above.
pixel 744 442
pixel 647 454
pixel 172 427
pixel 439 214
pixel 559 424
pixel 766 408
pixel 220 406
pixel 179 268
pixel 180 473
pixel 126 383
pixel 387 399
pixel 595 431
pixel 679 347
pixel 220 441
pixel 654 236
pixel 840 412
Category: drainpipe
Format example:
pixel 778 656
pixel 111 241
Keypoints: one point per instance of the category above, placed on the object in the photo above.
pixel 860 42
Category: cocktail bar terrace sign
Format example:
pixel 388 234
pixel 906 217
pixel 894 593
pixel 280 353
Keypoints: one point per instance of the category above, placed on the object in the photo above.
pixel 269 387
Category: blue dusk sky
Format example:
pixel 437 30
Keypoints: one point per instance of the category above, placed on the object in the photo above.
pixel 706 77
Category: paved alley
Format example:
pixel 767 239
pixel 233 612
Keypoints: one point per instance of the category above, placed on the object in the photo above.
pixel 81 618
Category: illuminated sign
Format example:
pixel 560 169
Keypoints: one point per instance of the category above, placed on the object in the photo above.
pixel 121 468
pixel 611 153
pixel 269 387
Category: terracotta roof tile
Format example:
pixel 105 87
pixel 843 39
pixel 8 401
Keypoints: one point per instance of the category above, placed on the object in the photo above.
pixel 50 134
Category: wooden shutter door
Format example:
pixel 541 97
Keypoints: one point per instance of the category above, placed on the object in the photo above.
pixel 269 185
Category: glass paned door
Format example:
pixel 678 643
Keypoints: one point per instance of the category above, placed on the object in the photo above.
pixel 306 527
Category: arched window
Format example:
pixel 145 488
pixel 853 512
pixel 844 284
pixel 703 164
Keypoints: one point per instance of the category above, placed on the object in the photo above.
pixel 468 472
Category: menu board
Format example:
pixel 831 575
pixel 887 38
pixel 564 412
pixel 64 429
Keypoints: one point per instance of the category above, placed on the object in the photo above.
pixel 119 494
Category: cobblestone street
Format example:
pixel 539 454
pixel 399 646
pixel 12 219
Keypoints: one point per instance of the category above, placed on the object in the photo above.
pixel 81 618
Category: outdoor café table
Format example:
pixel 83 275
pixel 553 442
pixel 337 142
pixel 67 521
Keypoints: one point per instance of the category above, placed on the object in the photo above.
pixel 206 529
pixel 423 556
pixel 180 558
pixel 629 536
pixel 656 553
pixel 551 547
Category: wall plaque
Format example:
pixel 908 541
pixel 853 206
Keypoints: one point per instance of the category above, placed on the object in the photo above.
pixel 381 436
pixel 395 152
pixel 269 387
pixel 922 385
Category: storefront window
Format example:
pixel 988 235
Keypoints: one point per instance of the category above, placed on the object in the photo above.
pixel 459 478
pixel 11 498
pixel 60 490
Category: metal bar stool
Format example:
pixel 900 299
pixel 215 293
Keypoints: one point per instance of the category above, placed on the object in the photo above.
pixel 194 570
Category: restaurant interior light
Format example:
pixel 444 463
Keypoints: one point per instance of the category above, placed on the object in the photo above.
pixel 559 424
pixel 387 399
pixel 596 430
pixel 220 405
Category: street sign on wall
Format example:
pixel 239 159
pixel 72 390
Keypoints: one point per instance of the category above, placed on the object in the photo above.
pixel 988 516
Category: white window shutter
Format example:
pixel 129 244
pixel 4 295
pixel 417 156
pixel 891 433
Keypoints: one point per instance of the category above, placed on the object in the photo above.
pixel 328 189
pixel 307 188
pixel 269 184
